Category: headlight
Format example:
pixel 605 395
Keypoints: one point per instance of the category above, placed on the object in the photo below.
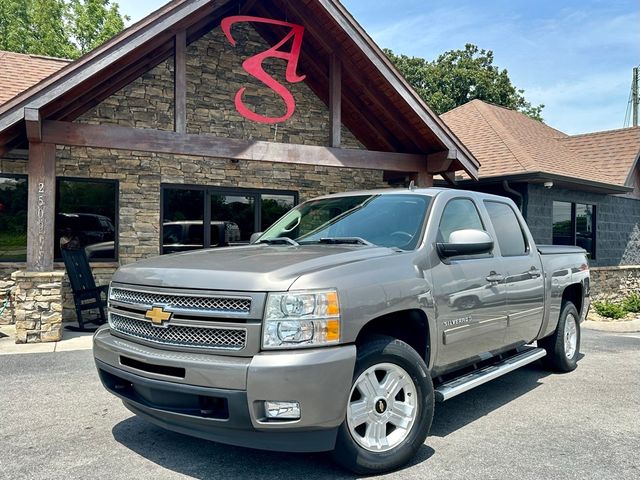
pixel 295 319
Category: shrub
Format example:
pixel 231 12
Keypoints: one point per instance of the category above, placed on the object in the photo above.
pixel 609 309
pixel 632 302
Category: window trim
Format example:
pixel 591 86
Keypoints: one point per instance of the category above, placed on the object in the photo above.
pixel 116 217
pixel 527 242
pixel 210 190
pixel 19 176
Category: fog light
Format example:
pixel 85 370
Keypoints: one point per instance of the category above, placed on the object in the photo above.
pixel 282 410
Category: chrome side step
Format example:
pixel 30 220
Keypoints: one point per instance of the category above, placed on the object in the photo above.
pixel 466 382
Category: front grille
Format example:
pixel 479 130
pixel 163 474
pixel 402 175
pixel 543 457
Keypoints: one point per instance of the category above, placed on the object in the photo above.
pixel 180 335
pixel 213 304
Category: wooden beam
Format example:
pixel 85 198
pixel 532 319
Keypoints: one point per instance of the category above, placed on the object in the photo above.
pixel 158 141
pixel 440 162
pixel 33 124
pixel 423 179
pixel 41 201
pixel 335 101
pixel 180 82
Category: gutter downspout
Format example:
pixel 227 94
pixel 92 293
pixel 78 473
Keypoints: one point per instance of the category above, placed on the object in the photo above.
pixel 508 189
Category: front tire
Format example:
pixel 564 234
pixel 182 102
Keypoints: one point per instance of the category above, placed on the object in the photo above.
pixel 390 408
pixel 563 346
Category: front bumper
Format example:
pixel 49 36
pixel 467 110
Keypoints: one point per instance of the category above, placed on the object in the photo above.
pixel 221 398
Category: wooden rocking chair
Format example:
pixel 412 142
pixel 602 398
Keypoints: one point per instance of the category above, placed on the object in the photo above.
pixel 86 295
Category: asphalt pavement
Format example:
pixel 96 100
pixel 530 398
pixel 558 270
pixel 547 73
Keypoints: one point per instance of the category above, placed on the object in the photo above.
pixel 57 422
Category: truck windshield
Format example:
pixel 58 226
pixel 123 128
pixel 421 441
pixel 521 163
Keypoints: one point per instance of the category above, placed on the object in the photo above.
pixel 384 220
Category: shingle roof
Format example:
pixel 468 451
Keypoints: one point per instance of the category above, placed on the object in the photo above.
pixel 19 72
pixel 508 142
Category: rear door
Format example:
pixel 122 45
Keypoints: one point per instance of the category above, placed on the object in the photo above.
pixel 523 270
pixel 470 293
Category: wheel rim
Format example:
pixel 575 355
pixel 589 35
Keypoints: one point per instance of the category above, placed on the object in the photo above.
pixel 382 407
pixel 570 336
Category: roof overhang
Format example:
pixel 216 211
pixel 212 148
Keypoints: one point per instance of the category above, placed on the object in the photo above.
pixel 559 181
pixel 380 107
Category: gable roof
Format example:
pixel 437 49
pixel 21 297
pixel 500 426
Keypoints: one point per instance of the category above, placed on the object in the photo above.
pixel 507 142
pixel 379 107
pixel 19 72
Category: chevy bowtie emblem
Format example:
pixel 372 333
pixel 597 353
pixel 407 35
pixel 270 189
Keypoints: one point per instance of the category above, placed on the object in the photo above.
pixel 158 316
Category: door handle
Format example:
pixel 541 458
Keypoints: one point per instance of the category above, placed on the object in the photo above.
pixel 534 272
pixel 494 278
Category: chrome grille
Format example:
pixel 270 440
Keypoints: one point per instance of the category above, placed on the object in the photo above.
pixel 214 304
pixel 180 335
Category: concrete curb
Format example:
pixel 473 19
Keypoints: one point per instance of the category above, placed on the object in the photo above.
pixel 632 326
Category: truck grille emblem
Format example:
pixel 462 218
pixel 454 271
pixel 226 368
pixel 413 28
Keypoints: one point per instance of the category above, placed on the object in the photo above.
pixel 158 316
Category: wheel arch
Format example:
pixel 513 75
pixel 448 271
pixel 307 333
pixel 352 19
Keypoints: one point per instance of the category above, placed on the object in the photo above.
pixel 411 326
pixel 574 293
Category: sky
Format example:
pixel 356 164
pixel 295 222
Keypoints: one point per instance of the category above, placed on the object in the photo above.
pixel 574 56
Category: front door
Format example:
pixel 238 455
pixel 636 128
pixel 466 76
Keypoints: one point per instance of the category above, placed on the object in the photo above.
pixel 470 293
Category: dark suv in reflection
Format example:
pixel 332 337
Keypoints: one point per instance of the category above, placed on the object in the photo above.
pixel 88 229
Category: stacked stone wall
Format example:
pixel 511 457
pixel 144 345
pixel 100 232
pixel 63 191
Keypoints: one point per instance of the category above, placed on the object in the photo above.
pixel 614 283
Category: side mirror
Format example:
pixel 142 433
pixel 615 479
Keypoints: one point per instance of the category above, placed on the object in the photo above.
pixel 254 237
pixel 466 242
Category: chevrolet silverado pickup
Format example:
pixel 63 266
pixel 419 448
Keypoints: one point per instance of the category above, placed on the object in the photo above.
pixel 339 327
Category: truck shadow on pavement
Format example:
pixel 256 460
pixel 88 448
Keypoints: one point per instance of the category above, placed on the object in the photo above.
pixel 203 459
pixel 480 401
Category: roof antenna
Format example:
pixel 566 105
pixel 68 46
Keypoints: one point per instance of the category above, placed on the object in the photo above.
pixel 412 185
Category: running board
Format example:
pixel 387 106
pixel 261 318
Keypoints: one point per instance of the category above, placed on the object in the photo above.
pixel 462 384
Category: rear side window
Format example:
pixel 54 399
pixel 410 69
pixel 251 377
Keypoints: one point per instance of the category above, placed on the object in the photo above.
pixel 459 214
pixel 511 238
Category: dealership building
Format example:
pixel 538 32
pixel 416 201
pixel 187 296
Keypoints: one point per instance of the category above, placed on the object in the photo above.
pixel 224 113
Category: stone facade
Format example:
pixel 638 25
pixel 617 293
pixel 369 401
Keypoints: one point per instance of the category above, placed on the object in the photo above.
pixel 7 288
pixel 38 312
pixel 614 283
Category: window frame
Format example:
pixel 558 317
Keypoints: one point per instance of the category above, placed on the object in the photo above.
pixel 525 237
pixel 574 225
pixel 483 221
pixel 116 217
pixel 210 191
pixel 19 176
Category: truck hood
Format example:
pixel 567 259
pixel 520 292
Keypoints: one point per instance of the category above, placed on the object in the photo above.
pixel 257 268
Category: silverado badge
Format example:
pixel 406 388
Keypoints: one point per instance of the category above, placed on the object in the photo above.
pixel 158 316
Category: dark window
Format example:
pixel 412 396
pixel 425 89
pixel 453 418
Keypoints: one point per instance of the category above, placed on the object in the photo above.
pixel 86 216
pixel 459 214
pixel 13 218
pixel 575 224
pixel 511 238
pixel 562 226
pixel 233 215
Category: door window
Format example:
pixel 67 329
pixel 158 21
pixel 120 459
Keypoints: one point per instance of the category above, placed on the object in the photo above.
pixel 459 214
pixel 511 238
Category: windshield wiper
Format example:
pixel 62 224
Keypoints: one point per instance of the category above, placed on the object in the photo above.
pixel 279 241
pixel 346 241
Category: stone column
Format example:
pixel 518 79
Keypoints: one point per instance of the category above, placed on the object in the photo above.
pixel 38 306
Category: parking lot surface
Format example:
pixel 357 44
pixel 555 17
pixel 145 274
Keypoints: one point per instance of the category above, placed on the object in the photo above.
pixel 57 422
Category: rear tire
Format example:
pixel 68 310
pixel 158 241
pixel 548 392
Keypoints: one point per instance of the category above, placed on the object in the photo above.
pixel 390 408
pixel 563 346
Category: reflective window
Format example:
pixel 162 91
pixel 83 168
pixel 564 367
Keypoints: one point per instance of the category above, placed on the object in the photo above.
pixel 575 224
pixel 86 217
pixel 274 207
pixel 233 215
pixel 562 227
pixel 511 238
pixel 459 214
pixel 13 218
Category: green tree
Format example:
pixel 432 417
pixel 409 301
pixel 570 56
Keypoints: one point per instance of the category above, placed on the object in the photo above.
pixel 58 28
pixel 458 76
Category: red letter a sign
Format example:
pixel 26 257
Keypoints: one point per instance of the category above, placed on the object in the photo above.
pixel 253 66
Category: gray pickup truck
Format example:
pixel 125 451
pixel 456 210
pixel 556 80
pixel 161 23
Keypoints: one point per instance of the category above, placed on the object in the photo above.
pixel 341 325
